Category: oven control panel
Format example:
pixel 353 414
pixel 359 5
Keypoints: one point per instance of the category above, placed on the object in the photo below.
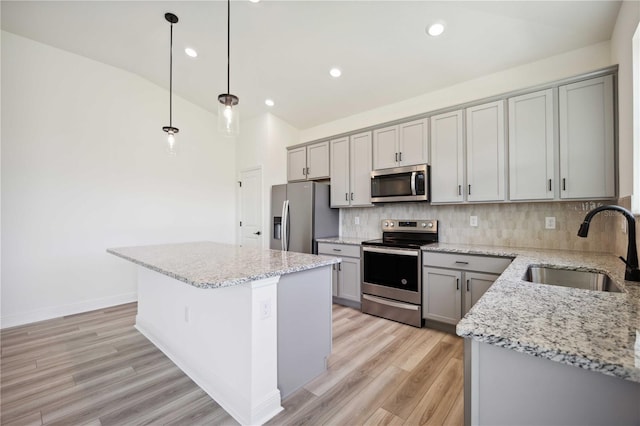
pixel 410 225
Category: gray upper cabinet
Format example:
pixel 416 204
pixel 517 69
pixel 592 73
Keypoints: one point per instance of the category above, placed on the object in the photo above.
pixel 351 171
pixel 405 144
pixel 308 162
pixel 447 158
pixel 586 119
pixel 531 147
pixel 297 164
pixel 486 152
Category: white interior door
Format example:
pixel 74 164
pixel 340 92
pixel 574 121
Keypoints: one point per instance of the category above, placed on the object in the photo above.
pixel 251 231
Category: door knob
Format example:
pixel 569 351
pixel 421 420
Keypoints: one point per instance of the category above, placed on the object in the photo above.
pixel 257 233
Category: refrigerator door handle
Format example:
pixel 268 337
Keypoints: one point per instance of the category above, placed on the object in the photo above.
pixel 288 223
pixel 283 240
pixel 285 225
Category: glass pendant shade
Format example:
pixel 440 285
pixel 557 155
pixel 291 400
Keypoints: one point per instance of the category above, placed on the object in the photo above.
pixel 228 115
pixel 172 148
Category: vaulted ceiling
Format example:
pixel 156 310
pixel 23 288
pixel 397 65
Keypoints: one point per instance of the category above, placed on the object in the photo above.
pixel 283 50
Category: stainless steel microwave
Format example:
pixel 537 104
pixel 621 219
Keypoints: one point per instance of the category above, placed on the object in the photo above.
pixel 410 183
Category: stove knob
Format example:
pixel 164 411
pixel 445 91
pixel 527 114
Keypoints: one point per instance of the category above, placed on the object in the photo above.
pixel 391 225
pixel 424 225
pixel 386 224
pixel 430 225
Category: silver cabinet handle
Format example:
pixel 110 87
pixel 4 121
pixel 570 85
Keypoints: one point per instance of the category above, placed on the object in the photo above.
pixel 396 157
pixel 352 196
pixel 307 171
pixel 469 189
pixel 467 285
pixel 346 196
pixel 457 283
pixel 400 156
pixel 564 184
pixel 461 262
pixel 335 249
pixel 459 189
pixel 549 184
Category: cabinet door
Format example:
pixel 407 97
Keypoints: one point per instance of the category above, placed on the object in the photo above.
pixel 414 143
pixel 385 148
pixel 340 172
pixel 485 152
pixel 447 161
pixel 334 279
pixel 531 147
pixel 318 160
pixel 360 159
pixel 475 285
pixel 297 164
pixel 349 279
pixel 586 139
pixel 442 295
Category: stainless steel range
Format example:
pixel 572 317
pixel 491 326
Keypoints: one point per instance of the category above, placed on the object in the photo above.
pixel 392 270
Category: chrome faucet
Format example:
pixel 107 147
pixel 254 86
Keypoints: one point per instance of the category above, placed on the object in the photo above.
pixel 632 273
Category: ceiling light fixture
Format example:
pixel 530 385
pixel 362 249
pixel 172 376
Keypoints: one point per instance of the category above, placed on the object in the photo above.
pixel 335 72
pixel 170 130
pixel 228 117
pixel 191 52
pixel 254 1
pixel 435 29
pixel 269 102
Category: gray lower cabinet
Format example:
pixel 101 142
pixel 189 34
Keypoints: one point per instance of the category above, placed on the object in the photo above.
pixel 346 275
pixel 453 283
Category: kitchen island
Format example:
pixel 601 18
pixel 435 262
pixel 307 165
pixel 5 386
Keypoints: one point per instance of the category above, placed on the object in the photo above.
pixel 248 325
pixel 523 342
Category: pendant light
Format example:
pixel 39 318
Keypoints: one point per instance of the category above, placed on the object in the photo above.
pixel 170 130
pixel 228 116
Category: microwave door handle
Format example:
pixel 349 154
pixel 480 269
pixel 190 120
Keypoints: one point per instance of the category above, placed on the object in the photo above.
pixel 413 183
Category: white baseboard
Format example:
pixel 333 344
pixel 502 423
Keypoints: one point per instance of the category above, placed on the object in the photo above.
pixel 63 310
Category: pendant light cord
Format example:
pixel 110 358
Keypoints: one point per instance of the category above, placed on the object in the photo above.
pixel 171 77
pixel 228 42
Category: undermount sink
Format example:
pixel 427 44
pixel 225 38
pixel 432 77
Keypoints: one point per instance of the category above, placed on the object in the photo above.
pixel 568 278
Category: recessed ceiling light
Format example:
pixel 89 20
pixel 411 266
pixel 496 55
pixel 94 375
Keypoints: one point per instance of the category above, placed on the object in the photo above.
pixel 268 102
pixel 191 52
pixel 435 29
pixel 254 1
pixel 335 72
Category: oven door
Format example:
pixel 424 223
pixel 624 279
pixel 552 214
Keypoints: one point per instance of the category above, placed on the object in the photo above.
pixel 392 273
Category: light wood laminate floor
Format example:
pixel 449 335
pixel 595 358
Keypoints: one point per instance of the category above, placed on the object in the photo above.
pixel 96 369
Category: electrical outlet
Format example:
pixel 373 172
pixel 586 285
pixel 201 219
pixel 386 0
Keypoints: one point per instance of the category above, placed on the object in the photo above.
pixel 473 220
pixel 265 309
pixel 550 222
pixel 356 220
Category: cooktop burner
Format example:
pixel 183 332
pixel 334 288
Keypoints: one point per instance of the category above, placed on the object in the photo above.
pixel 406 234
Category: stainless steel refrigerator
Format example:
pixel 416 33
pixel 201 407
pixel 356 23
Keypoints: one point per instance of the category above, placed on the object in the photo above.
pixel 300 214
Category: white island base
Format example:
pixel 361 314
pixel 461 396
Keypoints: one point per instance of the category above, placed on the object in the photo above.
pixel 245 345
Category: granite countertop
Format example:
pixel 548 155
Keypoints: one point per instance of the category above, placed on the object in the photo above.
pixel 592 330
pixel 207 264
pixel 343 240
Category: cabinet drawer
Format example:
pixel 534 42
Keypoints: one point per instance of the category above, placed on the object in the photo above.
pixel 339 249
pixel 466 262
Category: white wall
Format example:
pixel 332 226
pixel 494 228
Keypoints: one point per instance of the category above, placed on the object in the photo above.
pixel 621 53
pixel 84 168
pixel 262 142
pixel 546 70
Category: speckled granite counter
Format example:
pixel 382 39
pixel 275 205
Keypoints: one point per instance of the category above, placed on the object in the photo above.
pixel 589 329
pixel 211 265
pixel 342 240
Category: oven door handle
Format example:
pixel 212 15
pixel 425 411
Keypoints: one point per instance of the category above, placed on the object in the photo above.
pixel 413 183
pixel 390 303
pixel 414 253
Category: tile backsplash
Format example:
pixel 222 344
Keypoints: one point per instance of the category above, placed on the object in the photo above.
pixel 511 225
